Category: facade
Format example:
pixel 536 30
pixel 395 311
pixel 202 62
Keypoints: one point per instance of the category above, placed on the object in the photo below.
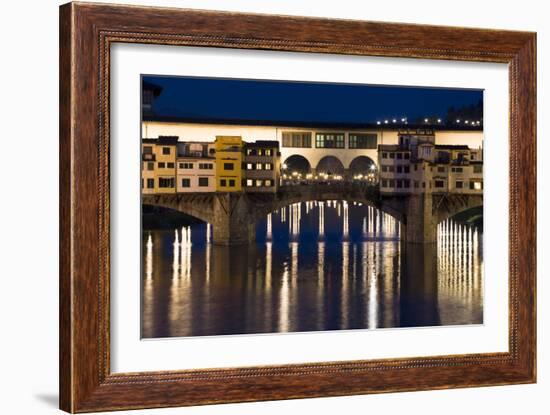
pixel 314 142
pixel 418 165
pixel 261 166
pixel 229 159
pixel 159 165
pixel 195 167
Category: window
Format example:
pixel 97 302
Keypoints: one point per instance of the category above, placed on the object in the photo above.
pixel 268 152
pixel 185 182
pixel 150 166
pixel 268 166
pixel 259 166
pixel 363 141
pixel 259 183
pixel 249 182
pixel 228 166
pixel 476 185
pixel 406 183
pixel 407 156
pixel 384 183
pixel 231 183
pixel 439 184
pixel 415 167
pixel 384 155
pixel 406 169
pixel 260 152
pixel 223 183
pixel 400 156
pixel 384 169
pixel 147 150
pixel 297 139
pixel 478 168
pixel 399 184
pixel 392 155
pixel 268 183
pixel 165 150
pixel 441 169
pixel 162 165
pixel 329 140
pixel 399 169
pixel 416 184
pixel 459 184
pixel 203 181
pixel 185 165
pixel 205 166
pixel 250 152
pixel 457 169
pixel 392 183
pixel 166 182
pixel 391 168
pixel 170 165
pixel 150 183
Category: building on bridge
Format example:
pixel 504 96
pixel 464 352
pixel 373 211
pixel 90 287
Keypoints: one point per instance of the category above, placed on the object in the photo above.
pixel 262 166
pixel 158 165
pixel 343 149
pixel 196 167
pixel 229 160
pixel 416 164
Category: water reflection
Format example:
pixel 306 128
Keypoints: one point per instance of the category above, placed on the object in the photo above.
pixel 315 266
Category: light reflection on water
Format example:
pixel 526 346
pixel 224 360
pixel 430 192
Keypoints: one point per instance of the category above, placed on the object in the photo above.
pixel 315 266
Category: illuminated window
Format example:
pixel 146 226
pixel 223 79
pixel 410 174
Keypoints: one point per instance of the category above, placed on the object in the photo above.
pixel 329 140
pixel 249 182
pixel 258 183
pixel 259 166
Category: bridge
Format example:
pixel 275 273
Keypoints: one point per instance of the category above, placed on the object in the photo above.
pixel 233 216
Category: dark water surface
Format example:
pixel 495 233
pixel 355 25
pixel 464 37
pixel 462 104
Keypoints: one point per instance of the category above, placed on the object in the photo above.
pixel 314 266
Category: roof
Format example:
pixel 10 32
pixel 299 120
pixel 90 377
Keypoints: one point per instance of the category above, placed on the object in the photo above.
pixel 451 147
pixel 390 147
pixel 304 124
pixel 262 144
pixel 166 140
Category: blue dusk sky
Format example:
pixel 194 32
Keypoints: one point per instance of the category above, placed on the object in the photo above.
pixel 238 99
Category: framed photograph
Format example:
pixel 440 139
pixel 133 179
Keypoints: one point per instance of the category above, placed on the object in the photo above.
pixel 260 207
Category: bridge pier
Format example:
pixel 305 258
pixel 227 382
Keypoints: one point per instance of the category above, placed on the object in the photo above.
pixel 231 224
pixel 420 222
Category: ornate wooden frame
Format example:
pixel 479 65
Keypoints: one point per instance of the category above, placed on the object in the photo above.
pixel 86 33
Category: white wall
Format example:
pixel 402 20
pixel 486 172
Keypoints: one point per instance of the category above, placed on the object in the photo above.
pixel 28 298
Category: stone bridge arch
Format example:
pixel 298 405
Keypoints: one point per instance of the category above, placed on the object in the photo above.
pixel 446 206
pixel 199 206
pixel 367 195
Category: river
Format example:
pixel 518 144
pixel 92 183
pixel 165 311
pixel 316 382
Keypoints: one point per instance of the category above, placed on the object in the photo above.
pixel 314 266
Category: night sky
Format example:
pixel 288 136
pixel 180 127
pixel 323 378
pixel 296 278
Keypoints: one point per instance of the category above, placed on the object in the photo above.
pixel 217 98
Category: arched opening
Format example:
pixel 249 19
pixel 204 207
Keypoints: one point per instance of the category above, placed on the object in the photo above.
pixel 472 216
pixel 295 167
pixel 363 168
pixel 161 217
pixel 330 167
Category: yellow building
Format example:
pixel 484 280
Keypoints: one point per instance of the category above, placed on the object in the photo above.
pixel 158 172
pixel 229 159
